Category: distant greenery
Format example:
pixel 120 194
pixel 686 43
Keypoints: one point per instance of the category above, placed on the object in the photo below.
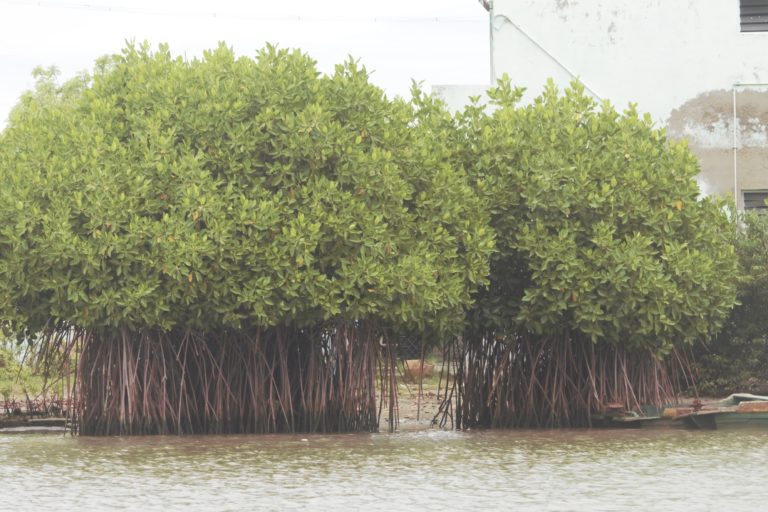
pixel 15 379
pixel 737 359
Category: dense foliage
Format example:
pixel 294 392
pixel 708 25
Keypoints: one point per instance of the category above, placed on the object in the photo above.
pixel 600 227
pixel 230 192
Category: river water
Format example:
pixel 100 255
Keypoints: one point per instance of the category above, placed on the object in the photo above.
pixel 589 470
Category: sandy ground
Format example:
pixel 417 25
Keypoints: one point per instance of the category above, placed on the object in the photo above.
pixel 414 413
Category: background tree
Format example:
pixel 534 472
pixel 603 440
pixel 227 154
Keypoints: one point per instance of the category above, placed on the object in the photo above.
pixel 17 381
pixel 737 358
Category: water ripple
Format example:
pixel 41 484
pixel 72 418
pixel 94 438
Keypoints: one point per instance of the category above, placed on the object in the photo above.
pixel 432 470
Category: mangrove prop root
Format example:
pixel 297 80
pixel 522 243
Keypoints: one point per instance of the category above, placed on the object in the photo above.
pixel 268 381
pixel 556 381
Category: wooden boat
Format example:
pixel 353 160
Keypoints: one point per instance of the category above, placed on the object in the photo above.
pixel 615 416
pixel 738 410
pixel 629 419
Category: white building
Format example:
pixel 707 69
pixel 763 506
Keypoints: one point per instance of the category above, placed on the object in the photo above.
pixel 700 67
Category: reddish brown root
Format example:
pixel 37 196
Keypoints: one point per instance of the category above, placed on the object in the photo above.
pixel 551 382
pixel 268 381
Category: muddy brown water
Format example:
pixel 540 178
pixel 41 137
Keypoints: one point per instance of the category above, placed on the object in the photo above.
pixel 581 470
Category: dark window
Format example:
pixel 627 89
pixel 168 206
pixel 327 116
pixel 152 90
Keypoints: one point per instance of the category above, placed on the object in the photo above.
pixel 754 15
pixel 755 200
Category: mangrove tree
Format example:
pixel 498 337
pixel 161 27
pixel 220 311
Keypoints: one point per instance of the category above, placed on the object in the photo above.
pixel 226 242
pixel 608 262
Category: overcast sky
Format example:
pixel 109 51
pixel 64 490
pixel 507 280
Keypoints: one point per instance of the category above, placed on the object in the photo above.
pixel 435 41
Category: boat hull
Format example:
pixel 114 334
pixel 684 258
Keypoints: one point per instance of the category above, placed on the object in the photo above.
pixel 716 420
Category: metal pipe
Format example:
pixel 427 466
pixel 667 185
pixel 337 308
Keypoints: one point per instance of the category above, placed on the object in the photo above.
pixel 735 173
pixel 490 40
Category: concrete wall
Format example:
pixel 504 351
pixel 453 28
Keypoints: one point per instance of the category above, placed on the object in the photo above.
pixel 677 59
